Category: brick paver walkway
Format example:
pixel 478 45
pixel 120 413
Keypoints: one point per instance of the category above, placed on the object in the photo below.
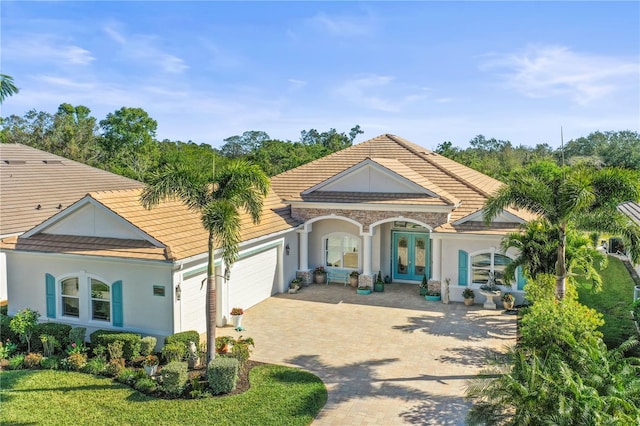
pixel 386 358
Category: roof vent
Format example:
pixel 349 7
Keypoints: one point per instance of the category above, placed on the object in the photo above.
pixel 38 207
pixel 15 161
pixel 59 206
pixel 52 161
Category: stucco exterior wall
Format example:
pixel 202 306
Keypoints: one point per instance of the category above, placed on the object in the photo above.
pixel 142 311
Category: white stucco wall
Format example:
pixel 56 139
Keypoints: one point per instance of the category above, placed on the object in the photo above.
pixel 94 221
pixel 142 311
pixel 323 228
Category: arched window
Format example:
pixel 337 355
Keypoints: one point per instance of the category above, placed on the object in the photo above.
pixel 342 251
pixel 84 297
pixel 484 263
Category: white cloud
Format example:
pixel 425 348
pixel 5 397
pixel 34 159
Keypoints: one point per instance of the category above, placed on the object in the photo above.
pixel 143 48
pixel 45 47
pixel 295 84
pixel 548 71
pixel 345 26
pixel 377 92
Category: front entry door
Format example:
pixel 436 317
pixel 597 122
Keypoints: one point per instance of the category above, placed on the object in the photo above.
pixel 410 256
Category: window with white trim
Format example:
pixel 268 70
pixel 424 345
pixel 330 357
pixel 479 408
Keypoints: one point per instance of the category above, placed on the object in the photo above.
pixel 100 301
pixel 342 251
pixel 482 264
pixel 70 292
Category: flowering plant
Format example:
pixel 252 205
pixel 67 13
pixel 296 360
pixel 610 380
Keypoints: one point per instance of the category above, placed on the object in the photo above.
pixel 76 348
pixel 319 270
pixel 150 360
pixel 237 311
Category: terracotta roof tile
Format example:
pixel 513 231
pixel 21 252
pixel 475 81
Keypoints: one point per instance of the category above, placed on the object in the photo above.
pixel 30 178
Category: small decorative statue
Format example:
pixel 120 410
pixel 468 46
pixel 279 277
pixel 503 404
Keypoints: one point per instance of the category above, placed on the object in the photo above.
pixel 193 355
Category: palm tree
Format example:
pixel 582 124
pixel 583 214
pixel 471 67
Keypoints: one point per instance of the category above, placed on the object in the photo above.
pixel 581 196
pixel 7 87
pixel 217 195
pixel 537 253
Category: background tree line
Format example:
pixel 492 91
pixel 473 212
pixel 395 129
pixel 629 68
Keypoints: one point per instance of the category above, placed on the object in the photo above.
pixel 125 142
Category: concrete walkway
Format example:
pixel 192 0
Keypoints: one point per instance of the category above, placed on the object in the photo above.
pixel 386 358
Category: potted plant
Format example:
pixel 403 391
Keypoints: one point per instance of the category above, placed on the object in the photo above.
pixel 364 289
pixel 319 275
pixel 236 316
pixel 150 364
pixel 508 301
pixel 424 286
pixel 469 296
pixel 223 344
pixel 379 284
pixel 294 285
pixel 353 278
pixel 432 295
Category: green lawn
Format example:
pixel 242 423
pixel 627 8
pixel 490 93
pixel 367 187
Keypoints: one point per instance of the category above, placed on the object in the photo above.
pixel 614 302
pixel 278 396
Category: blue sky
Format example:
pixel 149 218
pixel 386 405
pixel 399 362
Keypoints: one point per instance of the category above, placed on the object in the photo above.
pixel 427 71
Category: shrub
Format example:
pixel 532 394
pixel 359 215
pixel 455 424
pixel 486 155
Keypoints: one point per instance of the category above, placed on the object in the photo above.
pixel 222 374
pixel 5 330
pixel 115 349
pixel 49 344
pixel 59 331
pixel 77 334
pixel 24 324
pixel 131 348
pixel 7 349
pixel 32 360
pixel 51 363
pixel 16 362
pixel 173 352
pixel 95 366
pixel 241 351
pixel 184 337
pixel 129 376
pixel 114 367
pixel 147 345
pixel 76 361
pixel 174 377
pixel 145 385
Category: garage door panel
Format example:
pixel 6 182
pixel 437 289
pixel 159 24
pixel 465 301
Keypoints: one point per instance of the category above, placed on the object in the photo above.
pixel 253 279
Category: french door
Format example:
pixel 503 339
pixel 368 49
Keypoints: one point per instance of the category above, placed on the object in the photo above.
pixel 410 256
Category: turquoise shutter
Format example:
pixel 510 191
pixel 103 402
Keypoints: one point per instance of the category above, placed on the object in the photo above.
pixel 50 283
pixel 463 268
pixel 116 303
pixel 520 278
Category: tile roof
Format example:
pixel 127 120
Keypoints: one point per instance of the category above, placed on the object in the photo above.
pixel 171 223
pixel 458 182
pixel 35 185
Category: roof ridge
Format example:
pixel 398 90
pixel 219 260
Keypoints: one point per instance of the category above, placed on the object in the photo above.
pixel 423 155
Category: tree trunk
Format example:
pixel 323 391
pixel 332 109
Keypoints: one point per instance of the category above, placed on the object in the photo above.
pixel 561 266
pixel 211 304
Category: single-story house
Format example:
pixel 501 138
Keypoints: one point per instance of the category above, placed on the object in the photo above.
pixel 383 205
pixel 35 185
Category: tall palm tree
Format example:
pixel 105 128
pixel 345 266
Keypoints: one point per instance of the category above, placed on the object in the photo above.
pixel 7 87
pixel 581 196
pixel 218 195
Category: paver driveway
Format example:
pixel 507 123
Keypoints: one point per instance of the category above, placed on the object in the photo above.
pixel 386 358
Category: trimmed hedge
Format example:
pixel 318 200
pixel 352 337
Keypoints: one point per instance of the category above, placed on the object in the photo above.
pixel 77 334
pixel 174 377
pixel 55 329
pixel 222 374
pixel 5 330
pixel 131 348
pixel 184 337
pixel 147 345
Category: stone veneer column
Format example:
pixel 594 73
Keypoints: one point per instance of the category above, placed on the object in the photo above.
pixel 366 254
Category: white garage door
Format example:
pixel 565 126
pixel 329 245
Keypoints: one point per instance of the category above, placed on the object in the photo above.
pixel 192 304
pixel 253 279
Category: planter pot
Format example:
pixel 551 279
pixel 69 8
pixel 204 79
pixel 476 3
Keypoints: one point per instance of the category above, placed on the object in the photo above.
pixel 469 301
pixel 236 320
pixel 319 278
pixel 432 297
pixel 508 305
pixel 353 281
pixel 151 369
pixel 223 350
pixel 423 291
pixel 361 291
pixel 378 287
